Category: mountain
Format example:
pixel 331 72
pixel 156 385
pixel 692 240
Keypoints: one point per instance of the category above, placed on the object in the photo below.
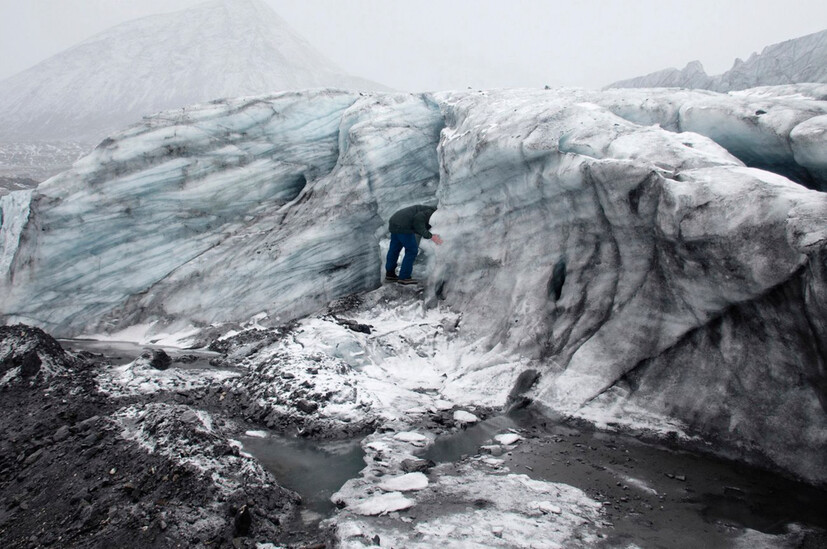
pixel 224 48
pixel 625 271
pixel 794 61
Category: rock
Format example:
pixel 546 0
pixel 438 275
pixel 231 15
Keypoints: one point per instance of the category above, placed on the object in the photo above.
pixel 88 423
pixel 79 496
pixel 29 364
pixel 84 513
pixel 353 325
pixel 307 406
pixel 61 434
pixel 525 381
pixel 416 465
pixel 190 417
pixel 27 348
pixel 89 440
pixel 34 456
pixel 242 522
pixel 157 358
pixel 497 531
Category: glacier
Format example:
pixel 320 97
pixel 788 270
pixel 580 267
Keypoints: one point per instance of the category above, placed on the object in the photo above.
pixel 643 250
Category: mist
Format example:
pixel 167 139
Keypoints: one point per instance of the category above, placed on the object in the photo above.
pixel 432 45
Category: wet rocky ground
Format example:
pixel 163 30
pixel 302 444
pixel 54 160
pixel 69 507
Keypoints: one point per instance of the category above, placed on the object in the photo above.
pixel 652 495
pixel 246 444
pixel 73 474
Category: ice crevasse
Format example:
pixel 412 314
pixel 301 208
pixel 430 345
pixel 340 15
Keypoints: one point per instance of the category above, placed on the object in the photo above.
pixel 626 241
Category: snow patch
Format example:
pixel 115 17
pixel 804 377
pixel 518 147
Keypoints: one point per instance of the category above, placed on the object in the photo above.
pixel 383 504
pixel 461 416
pixel 416 439
pixel 405 483
pixel 508 439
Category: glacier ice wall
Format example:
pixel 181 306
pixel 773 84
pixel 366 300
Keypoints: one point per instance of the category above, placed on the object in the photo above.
pixel 14 214
pixel 607 237
pixel 224 211
pixel 771 128
pixel 605 249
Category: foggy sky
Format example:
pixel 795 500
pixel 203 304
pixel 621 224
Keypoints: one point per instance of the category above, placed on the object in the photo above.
pixel 431 45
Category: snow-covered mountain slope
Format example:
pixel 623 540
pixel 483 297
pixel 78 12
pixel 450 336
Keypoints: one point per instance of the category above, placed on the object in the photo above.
pixel 639 266
pixel 794 61
pixel 9 184
pixel 37 161
pixel 222 48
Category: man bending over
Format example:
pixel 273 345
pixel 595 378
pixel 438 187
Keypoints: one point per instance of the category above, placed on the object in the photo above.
pixel 407 226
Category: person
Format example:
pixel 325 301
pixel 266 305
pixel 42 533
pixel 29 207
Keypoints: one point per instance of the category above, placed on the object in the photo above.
pixel 407 226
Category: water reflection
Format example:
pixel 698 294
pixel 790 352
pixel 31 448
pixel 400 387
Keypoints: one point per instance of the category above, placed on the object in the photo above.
pixel 313 469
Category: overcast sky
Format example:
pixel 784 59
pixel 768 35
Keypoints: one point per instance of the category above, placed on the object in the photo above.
pixel 428 45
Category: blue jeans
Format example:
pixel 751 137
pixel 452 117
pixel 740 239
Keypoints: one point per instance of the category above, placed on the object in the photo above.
pixel 399 241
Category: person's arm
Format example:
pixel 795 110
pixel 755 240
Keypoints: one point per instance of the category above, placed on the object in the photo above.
pixel 420 226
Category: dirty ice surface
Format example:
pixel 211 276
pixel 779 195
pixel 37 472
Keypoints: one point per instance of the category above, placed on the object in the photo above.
pixel 487 489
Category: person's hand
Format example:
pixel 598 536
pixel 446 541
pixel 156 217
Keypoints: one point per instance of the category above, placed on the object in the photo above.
pixel 436 239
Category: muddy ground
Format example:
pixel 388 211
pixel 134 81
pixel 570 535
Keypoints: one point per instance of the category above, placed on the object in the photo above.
pixel 654 496
pixel 70 479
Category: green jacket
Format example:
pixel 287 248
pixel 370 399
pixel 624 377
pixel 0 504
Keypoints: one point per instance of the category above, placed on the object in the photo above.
pixel 412 220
